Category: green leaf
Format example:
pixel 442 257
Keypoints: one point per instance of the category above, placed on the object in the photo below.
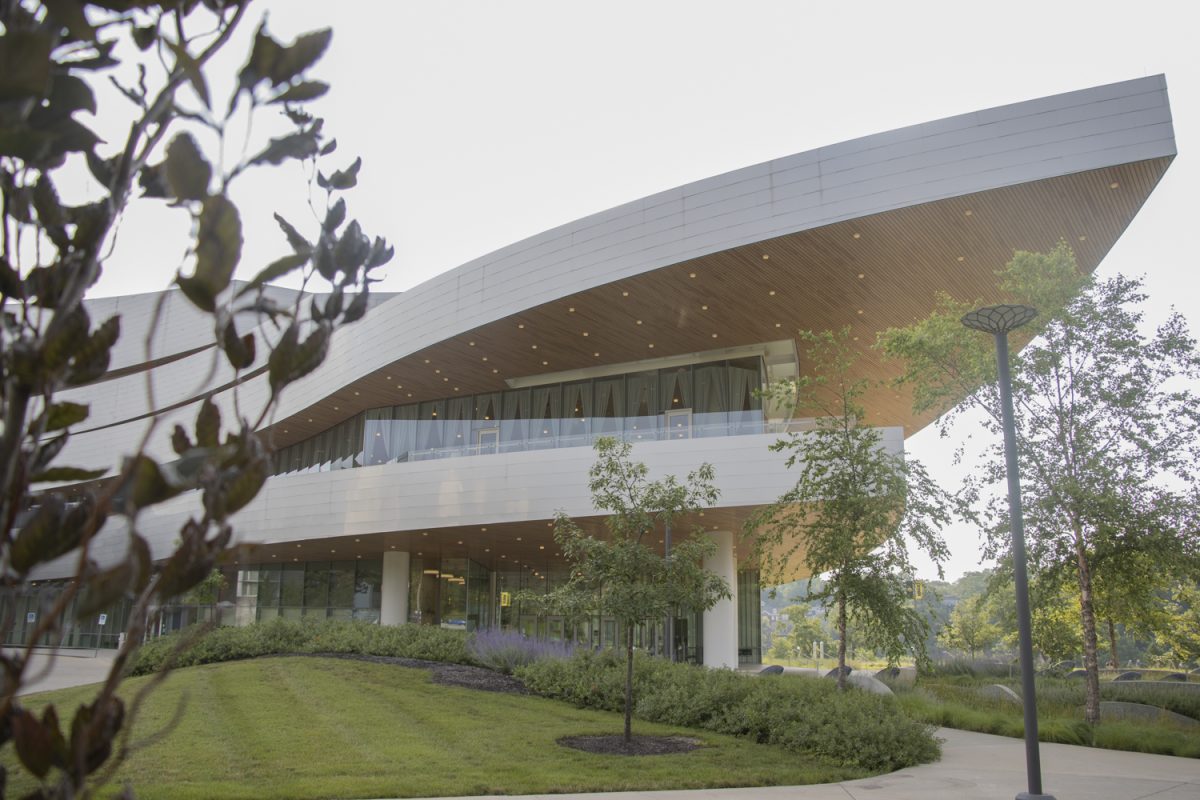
pixel 329 147
pixel 208 424
pixel 302 92
pixel 240 350
pixel 357 307
pixel 103 590
pixel 263 55
pixel 299 56
pixel 381 253
pixel 218 244
pixel 335 216
pixel 273 271
pixel 197 291
pixel 145 37
pixel 296 145
pixel 180 442
pixel 342 179
pixel 65 338
pixel 49 211
pixel 67 474
pixel 90 361
pixel 352 249
pixel 146 485
pixel 68 94
pixel 292 360
pixel 24 64
pixel 38 538
pixel 298 242
pixel 11 286
pixel 195 75
pixel 34 743
pixel 246 485
pixel 188 173
pixel 64 413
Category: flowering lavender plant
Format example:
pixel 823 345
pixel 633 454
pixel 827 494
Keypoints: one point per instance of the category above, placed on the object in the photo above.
pixel 504 651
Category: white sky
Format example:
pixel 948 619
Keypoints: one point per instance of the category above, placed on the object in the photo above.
pixel 481 123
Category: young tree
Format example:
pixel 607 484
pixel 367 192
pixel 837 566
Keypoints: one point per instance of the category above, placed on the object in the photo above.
pixel 176 151
pixel 852 511
pixel 969 630
pixel 623 576
pixel 1106 420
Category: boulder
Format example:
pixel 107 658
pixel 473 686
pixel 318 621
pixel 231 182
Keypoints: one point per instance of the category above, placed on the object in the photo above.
pixel 888 673
pixel 1132 675
pixel 833 673
pixel 998 691
pixel 1077 673
pixel 1119 709
pixel 1178 677
pixel 773 669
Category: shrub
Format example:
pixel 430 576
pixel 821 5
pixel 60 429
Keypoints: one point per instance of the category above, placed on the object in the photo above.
pixel 504 651
pixel 850 728
pixel 280 636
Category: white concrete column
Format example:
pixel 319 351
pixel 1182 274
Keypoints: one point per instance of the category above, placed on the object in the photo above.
pixel 720 621
pixel 393 599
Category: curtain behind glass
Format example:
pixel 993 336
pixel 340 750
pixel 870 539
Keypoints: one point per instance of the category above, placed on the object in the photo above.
pixel 711 401
pixel 609 405
pixel 676 388
pixel 576 410
pixel 514 425
pixel 641 406
pixel 546 410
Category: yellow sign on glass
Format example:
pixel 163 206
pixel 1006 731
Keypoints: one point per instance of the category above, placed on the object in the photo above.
pixel 505 600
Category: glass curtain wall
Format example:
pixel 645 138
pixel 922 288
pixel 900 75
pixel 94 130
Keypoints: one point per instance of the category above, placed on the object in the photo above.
pixel 321 589
pixel 712 399
pixel 749 615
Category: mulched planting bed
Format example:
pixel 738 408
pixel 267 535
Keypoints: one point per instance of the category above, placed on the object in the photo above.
pixel 446 674
pixel 614 744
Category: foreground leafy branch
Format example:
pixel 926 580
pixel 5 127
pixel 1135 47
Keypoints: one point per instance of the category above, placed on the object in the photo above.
pixel 51 252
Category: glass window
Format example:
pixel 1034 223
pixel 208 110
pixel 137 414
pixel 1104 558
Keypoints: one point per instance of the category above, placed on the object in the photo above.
pixel 341 584
pixel 711 403
pixel 452 583
pixel 514 424
pixel 609 405
pixel 459 413
pixel 641 406
pixel 430 428
pixel 675 388
pixel 291 587
pixel 367 584
pixel 268 585
pixel 546 410
pixel 577 410
pixel 316 585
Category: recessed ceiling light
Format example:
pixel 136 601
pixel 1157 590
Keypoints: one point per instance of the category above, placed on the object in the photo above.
pixel 460 541
pixel 571 310
pixel 335 408
pixel 860 311
pixel 772 293
pixel 1113 185
pixel 495 371
pixel 778 324
pixel 424 533
pixel 639 322
pixel 861 275
pixel 585 333
pixel 651 346
pixel 332 550
pixel 541 547
pixel 856 338
pixel 960 258
pixel 483 359
pixel 518 538
pixel 356 394
pixel 520 324
pixel 310 419
pixel 704 308
pixel 533 347
pixel 545 363
pixel 285 430
pixel 766 257
pixel 387 377
pixel 624 294
pixel 437 372
pixel 967 213
pixel 470 344
pixel 858 236
pixel 358 540
pixel 427 361
pixel 456 388
pixel 714 336
pixel 410 394
pixel 595 355
pixel 446 380
pixel 274 556
pixel 691 274
pixel 1081 238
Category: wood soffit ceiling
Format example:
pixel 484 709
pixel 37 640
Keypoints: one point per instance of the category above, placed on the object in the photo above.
pixel 869 273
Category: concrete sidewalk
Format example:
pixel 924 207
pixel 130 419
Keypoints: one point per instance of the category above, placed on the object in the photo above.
pixel 65 668
pixel 977 766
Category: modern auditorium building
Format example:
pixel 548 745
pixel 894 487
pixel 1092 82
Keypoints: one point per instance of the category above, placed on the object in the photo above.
pixel 418 470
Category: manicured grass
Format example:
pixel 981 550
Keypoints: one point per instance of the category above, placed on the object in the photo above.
pixel 304 727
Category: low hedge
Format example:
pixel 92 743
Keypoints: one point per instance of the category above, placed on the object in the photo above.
pixel 851 728
pixel 281 636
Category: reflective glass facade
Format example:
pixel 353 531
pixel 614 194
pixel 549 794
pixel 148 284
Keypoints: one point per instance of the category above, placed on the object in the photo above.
pixel 321 589
pixel 717 398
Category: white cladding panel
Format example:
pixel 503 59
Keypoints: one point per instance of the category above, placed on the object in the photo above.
pixel 1044 138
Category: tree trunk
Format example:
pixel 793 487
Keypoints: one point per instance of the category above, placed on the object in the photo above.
pixel 1112 645
pixel 841 667
pixel 628 684
pixel 1091 663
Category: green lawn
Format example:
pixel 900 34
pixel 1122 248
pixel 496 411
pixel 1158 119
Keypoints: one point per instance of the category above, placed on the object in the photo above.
pixel 315 727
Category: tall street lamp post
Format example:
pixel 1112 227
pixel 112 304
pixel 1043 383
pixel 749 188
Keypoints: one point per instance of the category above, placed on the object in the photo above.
pixel 998 321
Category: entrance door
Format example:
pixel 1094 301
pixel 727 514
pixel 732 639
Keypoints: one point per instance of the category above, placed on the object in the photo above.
pixel 488 440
